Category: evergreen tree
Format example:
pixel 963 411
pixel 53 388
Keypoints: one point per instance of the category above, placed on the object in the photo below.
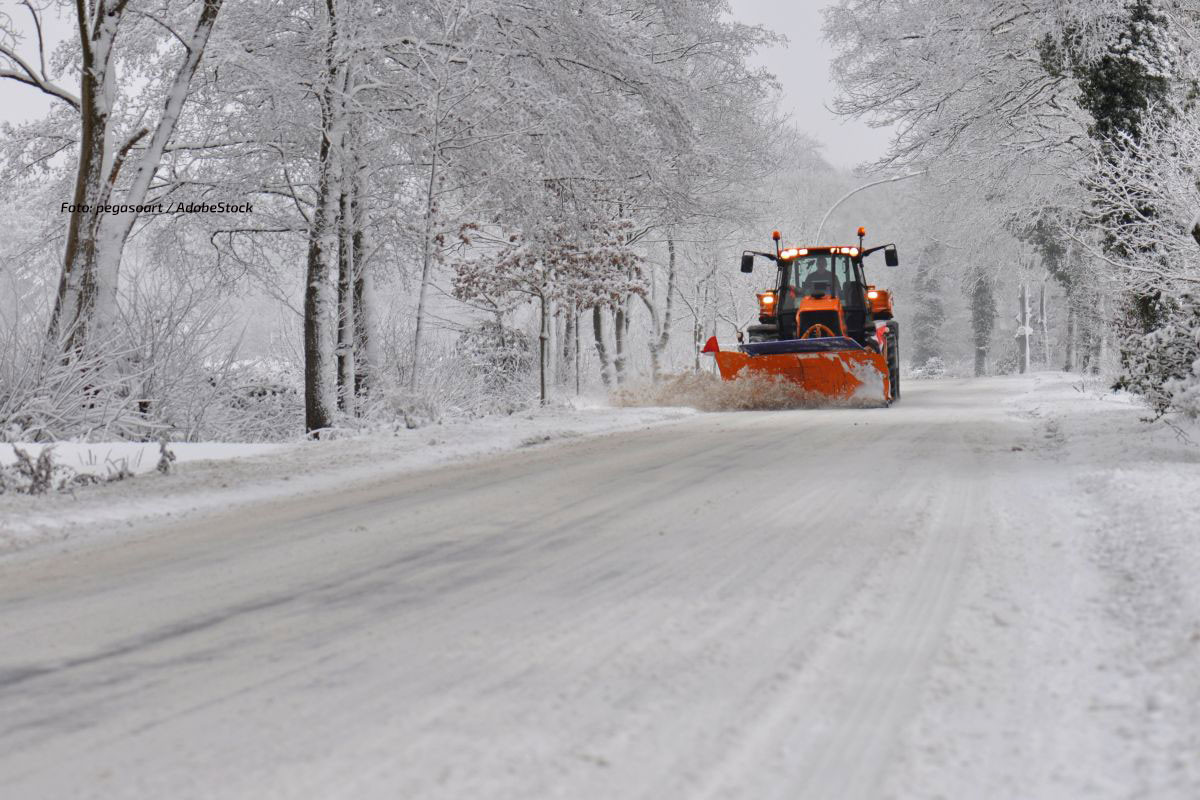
pixel 1130 79
pixel 1131 76
pixel 983 315
pixel 930 312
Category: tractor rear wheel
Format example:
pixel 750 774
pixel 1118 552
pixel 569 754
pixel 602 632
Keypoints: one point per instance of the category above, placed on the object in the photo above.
pixel 893 357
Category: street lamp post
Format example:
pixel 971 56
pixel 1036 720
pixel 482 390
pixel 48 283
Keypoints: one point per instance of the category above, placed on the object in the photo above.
pixel 893 179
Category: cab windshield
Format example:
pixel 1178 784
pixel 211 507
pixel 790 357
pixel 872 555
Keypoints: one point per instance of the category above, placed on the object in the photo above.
pixel 817 273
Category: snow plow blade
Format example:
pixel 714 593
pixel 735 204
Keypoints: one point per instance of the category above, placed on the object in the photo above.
pixel 836 367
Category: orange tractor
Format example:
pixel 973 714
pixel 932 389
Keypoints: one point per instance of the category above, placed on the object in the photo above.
pixel 822 326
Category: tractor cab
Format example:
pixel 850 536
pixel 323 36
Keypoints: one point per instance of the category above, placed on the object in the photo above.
pixel 824 287
pixel 821 292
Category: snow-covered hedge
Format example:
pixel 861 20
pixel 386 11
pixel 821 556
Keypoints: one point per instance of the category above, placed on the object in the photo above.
pixel 1163 366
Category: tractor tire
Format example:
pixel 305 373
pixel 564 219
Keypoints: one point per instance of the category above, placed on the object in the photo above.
pixel 762 333
pixel 893 358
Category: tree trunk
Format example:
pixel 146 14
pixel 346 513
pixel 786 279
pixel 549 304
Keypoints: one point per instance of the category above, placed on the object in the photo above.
pixel 1044 326
pixel 601 349
pixel 543 346
pixel 698 314
pixel 552 337
pixel 1069 362
pixel 619 328
pixel 569 340
pixel 1024 330
pixel 661 333
pixel 347 284
pixel 983 316
pixel 366 357
pixel 426 247
pixel 320 397
pixel 77 284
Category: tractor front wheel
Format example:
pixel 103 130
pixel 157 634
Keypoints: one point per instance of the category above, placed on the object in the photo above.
pixel 762 333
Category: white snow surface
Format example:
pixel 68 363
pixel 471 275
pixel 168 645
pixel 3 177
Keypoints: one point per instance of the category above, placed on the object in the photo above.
pixel 213 476
pixel 104 458
pixel 985 591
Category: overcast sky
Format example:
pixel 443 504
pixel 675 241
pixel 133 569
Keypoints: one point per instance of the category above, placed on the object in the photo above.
pixel 802 67
pixel 18 102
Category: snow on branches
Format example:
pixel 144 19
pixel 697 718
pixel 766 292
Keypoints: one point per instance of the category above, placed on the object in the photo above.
pixel 1077 118
pixel 1149 185
pixel 576 263
pixel 580 265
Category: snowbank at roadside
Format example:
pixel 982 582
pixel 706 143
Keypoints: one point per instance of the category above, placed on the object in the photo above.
pixel 1076 646
pixel 210 477
pixel 103 458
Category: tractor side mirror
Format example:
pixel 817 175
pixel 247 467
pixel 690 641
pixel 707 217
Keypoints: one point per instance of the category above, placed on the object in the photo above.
pixel 747 262
pixel 891 257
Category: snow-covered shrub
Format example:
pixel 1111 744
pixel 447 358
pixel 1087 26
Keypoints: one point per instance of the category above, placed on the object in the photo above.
pixel 185 373
pixel 1163 366
pixel 398 406
pixel 933 367
pixel 169 369
pixel 1007 364
pixel 257 400
pixel 42 475
pixel 27 475
pixel 453 383
pixel 497 355
pixel 46 398
pixel 166 457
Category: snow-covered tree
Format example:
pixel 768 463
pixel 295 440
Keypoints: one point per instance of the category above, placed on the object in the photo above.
pixel 573 262
pixel 122 136
pixel 364 136
pixel 982 298
pixel 929 314
pixel 1065 111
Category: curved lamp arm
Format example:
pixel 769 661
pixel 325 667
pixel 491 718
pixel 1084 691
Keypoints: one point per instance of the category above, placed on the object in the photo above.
pixel 848 195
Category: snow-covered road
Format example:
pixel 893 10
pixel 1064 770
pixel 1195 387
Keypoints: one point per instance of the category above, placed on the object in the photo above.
pixel 955 597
